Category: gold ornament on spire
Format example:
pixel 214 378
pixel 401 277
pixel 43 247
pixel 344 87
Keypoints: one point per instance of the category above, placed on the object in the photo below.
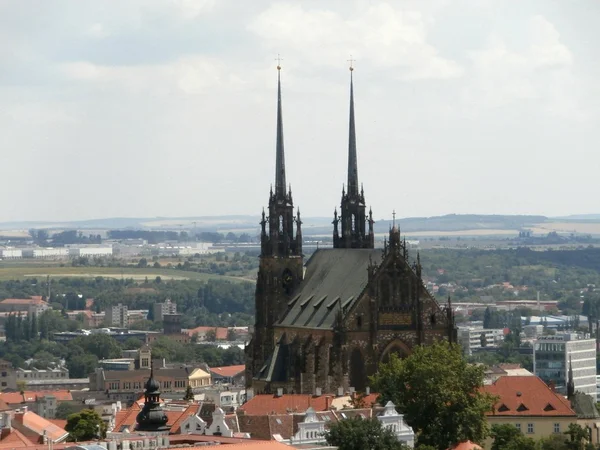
pixel 351 61
pixel 278 59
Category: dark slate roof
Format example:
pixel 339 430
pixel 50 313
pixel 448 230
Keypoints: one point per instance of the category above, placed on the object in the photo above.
pixel 333 277
pixel 584 406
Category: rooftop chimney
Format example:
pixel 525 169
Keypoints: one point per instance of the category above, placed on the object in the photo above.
pixel 351 389
pixel 279 392
pixel 368 390
pixel 340 391
pixel 318 392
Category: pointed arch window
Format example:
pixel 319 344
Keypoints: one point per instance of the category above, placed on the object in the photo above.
pixel 281 224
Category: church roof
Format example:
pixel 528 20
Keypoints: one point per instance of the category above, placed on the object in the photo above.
pixel 584 406
pixel 334 278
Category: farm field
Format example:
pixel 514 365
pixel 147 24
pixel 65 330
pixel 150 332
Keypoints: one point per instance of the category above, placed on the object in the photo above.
pixel 21 270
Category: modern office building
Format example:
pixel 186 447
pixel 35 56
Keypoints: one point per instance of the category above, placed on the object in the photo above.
pixel 473 338
pixel 553 354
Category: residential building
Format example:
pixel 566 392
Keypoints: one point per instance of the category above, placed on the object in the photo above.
pixel 505 370
pixel 90 251
pixel 117 316
pixel 11 253
pixel 472 338
pixel 8 376
pixel 530 405
pixel 34 304
pixel 36 428
pixel 552 355
pixel 226 398
pixel 117 364
pixel 55 373
pixel 166 307
pixel 127 385
pixel 199 379
pixel 172 324
pixel 228 375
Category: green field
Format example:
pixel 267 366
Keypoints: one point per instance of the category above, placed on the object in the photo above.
pixel 20 270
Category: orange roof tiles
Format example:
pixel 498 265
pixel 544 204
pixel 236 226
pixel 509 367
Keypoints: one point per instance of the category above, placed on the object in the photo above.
pixel 228 371
pixel 12 438
pixel 220 332
pixel 38 425
pixel 268 404
pixel 12 398
pixel 467 445
pixel 61 423
pixel 190 411
pixel 526 396
pixel 34 300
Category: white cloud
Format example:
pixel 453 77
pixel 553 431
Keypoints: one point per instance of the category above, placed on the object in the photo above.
pixel 503 75
pixel 188 75
pixel 380 34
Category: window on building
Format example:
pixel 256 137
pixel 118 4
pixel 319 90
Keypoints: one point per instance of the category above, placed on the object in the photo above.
pixel 113 385
pixel 518 426
pixel 3 374
pixel 529 428
pixel 3 383
pixel 557 427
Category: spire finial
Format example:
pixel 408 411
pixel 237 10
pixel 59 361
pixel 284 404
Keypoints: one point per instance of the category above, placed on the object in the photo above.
pixel 278 59
pixel 351 61
pixel 394 218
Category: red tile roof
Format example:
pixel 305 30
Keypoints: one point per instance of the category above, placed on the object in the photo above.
pixel 269 404
pixel 127 417
pixel 34 300
pixel 12 398
pixel 467 445
pixel 190 411
pixel 61 396
pixel 220 332
pixel 228 371
pixel 37 425
pixel 527 396
pixel 12 438
pixel 62 423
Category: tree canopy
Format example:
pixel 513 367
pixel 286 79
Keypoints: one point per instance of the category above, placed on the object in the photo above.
pixel 85 425
pixel 360 434
pixel 439 394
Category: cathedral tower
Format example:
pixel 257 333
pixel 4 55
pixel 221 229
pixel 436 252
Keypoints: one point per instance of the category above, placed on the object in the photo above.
pixel 353 218
pixel 280 268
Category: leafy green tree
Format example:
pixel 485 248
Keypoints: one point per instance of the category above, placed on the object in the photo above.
pixel 65 409
pixel 189 394
pixel 81 365
pixel 360 434
pixel 577 435
pixel 132 344
pixel 439 394
pixel 85 425
pixel 102 346
pixel 509 437
pixel 210 336
pixel 231 334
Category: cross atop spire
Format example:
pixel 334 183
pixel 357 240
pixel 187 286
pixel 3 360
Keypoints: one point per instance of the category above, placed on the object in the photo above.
pixel 280 157
pixel 351 61
pixel 278 59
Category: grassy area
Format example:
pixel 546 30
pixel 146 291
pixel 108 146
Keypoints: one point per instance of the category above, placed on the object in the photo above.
pixel 10 270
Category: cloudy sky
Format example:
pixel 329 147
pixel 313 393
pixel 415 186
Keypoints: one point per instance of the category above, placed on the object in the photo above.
pixel 136 108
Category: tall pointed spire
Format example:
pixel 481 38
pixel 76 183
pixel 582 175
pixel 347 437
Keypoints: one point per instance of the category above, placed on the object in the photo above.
pixel 352 160
pixel 280 158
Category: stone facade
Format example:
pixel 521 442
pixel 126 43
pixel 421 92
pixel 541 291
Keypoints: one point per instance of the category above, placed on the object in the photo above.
pixel 330 323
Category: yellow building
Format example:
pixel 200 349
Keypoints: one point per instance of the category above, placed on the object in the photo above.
pixel 199 378
pixel 529 404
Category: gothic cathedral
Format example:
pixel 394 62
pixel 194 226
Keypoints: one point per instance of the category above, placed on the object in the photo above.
pixel 328 323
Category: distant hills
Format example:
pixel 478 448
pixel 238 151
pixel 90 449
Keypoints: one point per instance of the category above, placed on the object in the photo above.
pixel 312 225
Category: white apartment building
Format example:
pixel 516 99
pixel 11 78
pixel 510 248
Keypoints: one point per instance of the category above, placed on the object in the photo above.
pixel 552 355
pixel 46 253
pixel 90 251
pixel 11 253
pixel 471 338
pixel 162 309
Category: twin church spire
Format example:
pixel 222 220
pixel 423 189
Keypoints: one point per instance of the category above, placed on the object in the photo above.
pixel 279 240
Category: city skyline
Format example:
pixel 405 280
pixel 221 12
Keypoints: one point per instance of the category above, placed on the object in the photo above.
pixel 168 108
